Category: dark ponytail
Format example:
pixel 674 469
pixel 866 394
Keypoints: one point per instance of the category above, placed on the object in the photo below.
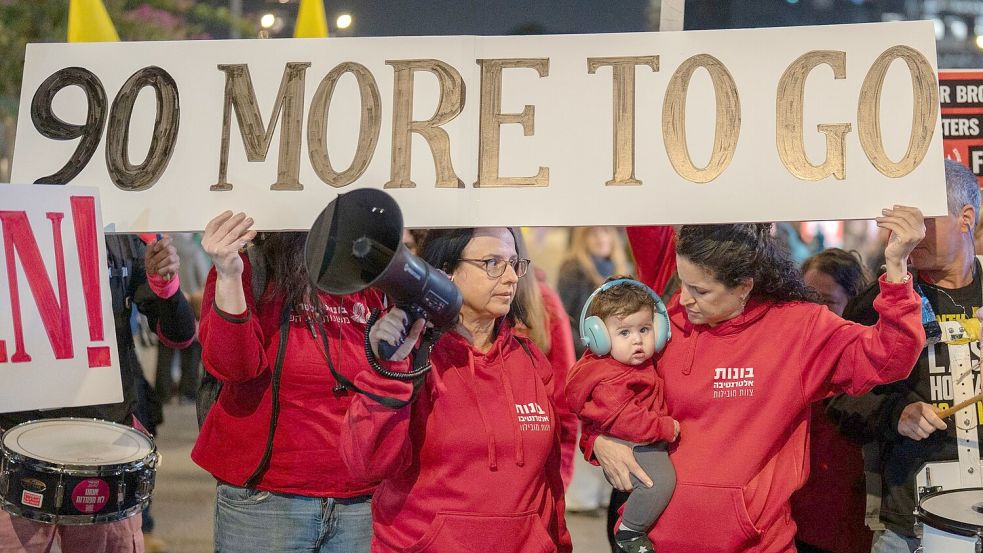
pixel 735 253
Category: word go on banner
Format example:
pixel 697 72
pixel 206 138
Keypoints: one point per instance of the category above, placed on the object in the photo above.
pixel 57 336
pixel 804 123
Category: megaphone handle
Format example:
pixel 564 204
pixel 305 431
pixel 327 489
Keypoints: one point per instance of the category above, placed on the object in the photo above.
pixel 387 350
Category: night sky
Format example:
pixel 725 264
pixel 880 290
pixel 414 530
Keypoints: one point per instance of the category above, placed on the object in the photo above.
pixel 489 17
pixel 502 17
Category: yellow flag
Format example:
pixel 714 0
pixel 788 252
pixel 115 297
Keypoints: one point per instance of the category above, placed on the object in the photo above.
pixel 311 22
pixel 88 21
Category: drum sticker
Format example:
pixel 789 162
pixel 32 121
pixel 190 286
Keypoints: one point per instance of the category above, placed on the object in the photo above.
pixel 31 499
pixel 33 484
pixel 90 496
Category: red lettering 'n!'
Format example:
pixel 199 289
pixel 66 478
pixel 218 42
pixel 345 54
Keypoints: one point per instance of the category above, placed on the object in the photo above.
pixel 18 236
pixel 86 238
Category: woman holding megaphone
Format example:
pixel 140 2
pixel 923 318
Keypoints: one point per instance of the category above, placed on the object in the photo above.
pixel 473 464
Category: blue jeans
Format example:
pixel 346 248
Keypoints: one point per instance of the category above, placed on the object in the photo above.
pixel 248 521
pixel 886 541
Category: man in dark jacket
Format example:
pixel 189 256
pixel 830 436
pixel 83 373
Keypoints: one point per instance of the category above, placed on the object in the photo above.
pixel 141 276
pixel 901 418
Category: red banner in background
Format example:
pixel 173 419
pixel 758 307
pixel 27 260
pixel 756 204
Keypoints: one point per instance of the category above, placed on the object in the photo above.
pixel 961 96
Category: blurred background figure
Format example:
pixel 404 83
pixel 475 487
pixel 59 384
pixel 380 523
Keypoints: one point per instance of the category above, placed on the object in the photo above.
pixel 413 237
pixel 595 254
pixel 829 509
pixel 545 322
pixel 194 269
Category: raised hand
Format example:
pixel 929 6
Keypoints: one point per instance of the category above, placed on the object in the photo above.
pixel 907 226
pixel 161 258
pixel 225 235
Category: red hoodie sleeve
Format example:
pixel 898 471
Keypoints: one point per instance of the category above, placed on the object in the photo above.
pixel 655 257
pixel 853 358
pixel 376 442
pixel 232 344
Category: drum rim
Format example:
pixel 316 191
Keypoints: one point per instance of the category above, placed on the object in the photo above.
pixel 942 523
pixel 72 520
pixel 74 469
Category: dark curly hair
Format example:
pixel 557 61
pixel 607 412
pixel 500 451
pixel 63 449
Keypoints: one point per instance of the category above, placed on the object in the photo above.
pixel 735 253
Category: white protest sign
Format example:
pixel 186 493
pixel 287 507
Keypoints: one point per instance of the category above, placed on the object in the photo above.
pixel 804 123
pixel 57 335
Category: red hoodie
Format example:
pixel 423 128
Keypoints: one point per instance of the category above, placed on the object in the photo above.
pixel 240 351
pixel 619 400
pixel 741 392
pixel 473 464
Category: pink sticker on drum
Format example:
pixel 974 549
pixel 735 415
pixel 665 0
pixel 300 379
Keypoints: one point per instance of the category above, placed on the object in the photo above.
pixel 90 496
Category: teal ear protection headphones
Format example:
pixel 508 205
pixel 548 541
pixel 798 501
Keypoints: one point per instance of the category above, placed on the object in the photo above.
pixel 594 335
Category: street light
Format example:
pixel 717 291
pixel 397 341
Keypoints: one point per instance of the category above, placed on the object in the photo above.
pixel 267 21
pixel 344 21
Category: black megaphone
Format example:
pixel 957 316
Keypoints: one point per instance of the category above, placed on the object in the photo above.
pixel 357 242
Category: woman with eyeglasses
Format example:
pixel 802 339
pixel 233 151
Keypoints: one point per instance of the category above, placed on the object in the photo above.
pixel 473 462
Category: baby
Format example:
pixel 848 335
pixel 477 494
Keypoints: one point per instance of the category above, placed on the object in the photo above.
pixel 615 390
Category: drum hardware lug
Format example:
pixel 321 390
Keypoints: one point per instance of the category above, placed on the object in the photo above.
pixel 120 493
pixel 925 490
pixel 146 486
pixel 59 495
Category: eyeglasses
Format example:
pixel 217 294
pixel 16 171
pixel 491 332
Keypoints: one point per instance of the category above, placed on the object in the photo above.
pixel 495 266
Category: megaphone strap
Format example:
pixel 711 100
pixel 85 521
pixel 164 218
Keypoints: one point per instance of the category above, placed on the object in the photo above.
pixel 389 402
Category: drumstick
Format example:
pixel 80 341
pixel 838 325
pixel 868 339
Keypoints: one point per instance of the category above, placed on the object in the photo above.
pixel 961 405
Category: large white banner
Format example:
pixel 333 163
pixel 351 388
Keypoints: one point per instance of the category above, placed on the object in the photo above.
pixel 802 123
pixel 57 336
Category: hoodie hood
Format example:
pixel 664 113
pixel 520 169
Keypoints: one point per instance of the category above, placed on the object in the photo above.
pixel 754 310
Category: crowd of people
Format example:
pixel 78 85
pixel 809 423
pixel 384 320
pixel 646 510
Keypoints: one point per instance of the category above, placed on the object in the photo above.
pixel 733 399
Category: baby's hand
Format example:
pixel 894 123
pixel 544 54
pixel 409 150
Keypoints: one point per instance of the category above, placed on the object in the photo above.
pixel 675 426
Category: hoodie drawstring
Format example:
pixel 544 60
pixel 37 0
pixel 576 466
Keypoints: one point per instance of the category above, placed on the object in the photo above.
pixel 469 379
pixel 520 454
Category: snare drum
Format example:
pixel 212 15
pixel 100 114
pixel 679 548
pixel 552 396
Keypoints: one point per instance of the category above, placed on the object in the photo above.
pixel 76 471
pixel 952 521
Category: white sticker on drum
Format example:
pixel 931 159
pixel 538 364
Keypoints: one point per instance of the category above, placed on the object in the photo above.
pixel 31 499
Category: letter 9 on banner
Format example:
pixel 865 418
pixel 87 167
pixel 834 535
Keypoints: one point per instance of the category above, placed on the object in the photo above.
pixel 616 129
pixel 57 336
